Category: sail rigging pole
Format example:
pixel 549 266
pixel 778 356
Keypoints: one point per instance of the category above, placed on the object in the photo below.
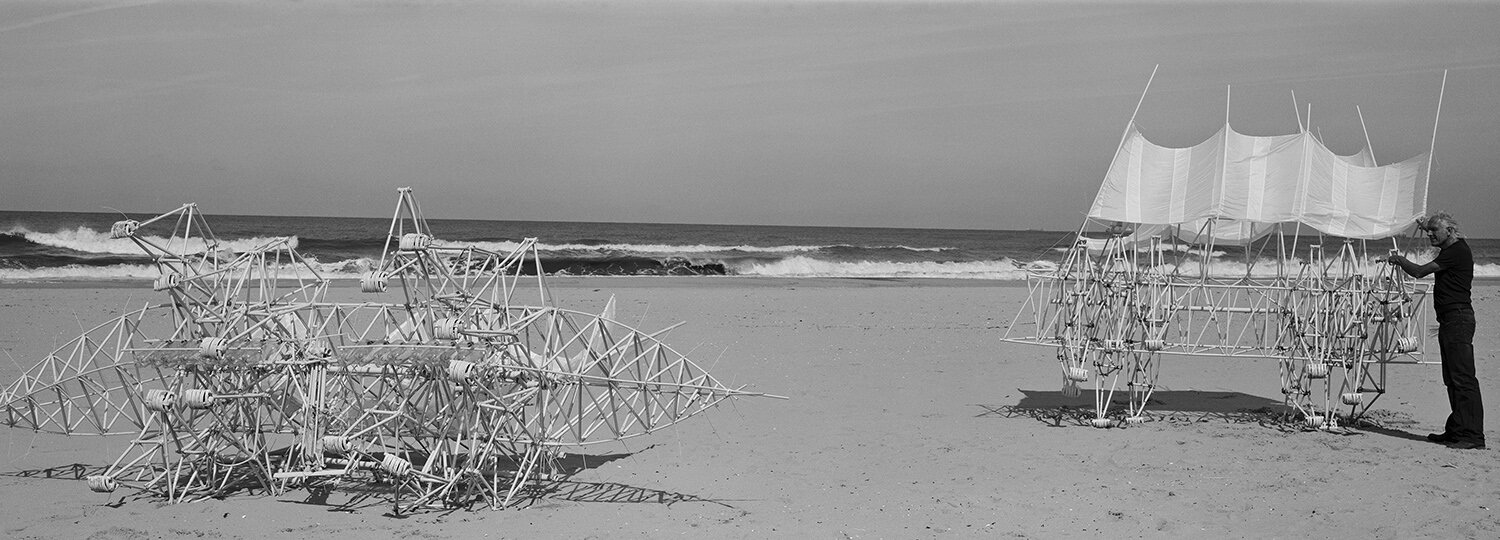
pixel 1368 145
pixel 1297 110
pixel 1137 111
pixel 1121 147
pixel 1371 147
pixel 1431 148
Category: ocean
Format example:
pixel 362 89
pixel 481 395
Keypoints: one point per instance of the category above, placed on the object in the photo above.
pixel 62 246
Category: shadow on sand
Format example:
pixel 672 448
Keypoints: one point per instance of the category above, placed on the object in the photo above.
pixel 337 496
pixel 350 497
pixel 1188 406
pixel 1053 408
pixel 75 471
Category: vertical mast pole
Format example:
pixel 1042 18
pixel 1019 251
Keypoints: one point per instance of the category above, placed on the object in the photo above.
pixel 1227 95
pixel 1224 155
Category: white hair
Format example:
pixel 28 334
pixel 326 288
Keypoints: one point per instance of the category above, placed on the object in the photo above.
pixel 1440 219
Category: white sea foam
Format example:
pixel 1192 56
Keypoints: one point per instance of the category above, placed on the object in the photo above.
pixel 507 246
pixel 810 267
pixel 140 271
pixel 80 273
pixel 86 240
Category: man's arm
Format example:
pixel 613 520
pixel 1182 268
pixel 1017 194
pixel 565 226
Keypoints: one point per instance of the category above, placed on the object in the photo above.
pixel 1413 269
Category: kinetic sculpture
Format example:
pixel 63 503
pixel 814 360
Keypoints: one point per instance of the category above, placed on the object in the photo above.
pixel 463 392
pixel 1139 281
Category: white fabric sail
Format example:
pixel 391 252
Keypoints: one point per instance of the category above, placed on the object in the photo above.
pixel 1262 180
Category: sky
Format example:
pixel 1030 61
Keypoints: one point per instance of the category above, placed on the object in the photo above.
pixel 973 115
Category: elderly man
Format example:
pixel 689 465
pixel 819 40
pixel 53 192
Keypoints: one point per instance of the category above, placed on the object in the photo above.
pixel 1454 266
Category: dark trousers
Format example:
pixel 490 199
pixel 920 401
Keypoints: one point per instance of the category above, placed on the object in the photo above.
pixel 1456 341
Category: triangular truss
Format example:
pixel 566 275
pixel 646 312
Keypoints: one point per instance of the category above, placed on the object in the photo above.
pixel 465 391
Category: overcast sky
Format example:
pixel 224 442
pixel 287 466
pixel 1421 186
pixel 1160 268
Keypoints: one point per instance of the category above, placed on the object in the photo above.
pixel 903 114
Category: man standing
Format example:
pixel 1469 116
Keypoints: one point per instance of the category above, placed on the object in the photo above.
pixel 1454 266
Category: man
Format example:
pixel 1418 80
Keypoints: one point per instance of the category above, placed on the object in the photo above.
pixel 1454 266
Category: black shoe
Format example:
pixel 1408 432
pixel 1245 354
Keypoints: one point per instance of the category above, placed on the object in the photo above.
pixel 1467 445
pixel 1441 438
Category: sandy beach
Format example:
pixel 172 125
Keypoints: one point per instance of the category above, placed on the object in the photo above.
pixel 749 141
pixel 907 418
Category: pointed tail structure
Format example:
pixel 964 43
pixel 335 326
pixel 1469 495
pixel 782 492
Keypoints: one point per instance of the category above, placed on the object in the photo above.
pixel 466 390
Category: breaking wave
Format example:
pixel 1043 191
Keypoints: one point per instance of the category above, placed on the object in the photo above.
pixel 811 267
pixel 79 248
pixel 88 241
